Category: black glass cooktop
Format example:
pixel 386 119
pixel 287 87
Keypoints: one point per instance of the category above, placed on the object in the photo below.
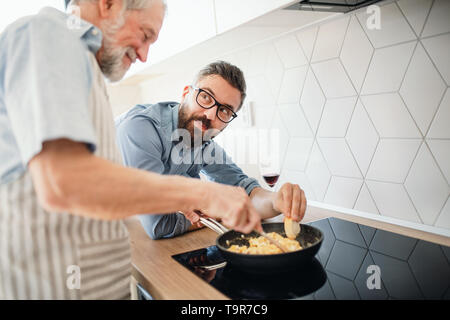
pixel 354 262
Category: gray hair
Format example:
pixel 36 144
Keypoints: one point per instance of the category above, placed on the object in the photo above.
pixel 232 74
pixel 128 4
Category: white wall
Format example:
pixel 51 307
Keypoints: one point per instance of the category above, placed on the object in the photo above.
pixel 364 115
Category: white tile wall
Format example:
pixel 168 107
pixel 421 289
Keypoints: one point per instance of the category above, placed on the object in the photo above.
pixel 387 68
pixel 394 28
pixel 422 89
pixel 364 115
pixel 390 116
pixel 359 112
pixel 393 159
pixel 365 202
pixel 416 12
pixel 362 137
pixel 440 127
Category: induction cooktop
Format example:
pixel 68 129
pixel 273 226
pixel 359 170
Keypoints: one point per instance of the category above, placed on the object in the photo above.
pixel 354 262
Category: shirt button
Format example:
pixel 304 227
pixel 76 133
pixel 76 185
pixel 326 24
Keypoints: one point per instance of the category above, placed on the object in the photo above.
pixel 95 32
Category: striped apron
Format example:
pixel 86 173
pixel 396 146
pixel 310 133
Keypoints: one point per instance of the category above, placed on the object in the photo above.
pixel 49 255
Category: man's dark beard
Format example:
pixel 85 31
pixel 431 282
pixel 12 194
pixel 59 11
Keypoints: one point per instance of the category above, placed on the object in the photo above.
pixel 184 120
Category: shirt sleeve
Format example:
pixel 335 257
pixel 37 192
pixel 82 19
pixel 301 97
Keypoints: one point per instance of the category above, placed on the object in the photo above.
pixel 219 167
pixel 141 147
pixel 47 84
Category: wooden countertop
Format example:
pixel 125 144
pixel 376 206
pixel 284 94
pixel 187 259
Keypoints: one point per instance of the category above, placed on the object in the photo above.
pixel 164 278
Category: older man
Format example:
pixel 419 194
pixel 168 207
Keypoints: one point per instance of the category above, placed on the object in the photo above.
pixel 145 135
pixel 63 191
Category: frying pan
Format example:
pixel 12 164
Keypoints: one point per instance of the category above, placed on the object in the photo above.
pixel 310 238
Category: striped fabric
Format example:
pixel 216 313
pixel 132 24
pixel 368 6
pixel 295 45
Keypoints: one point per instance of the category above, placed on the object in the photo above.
pixel 41 253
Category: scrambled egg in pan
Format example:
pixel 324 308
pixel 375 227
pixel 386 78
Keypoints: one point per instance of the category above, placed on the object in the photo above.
pixel 261 245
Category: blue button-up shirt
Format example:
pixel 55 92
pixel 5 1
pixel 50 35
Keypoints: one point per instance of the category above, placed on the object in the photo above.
pixel 144 136
pixel 45 82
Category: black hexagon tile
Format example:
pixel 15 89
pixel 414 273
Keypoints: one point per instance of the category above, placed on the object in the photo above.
pixel 347 231
pixel 433 278
pixel 392 244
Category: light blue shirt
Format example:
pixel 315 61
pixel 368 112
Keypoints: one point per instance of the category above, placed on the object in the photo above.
pixel 144 136
pixel 45 83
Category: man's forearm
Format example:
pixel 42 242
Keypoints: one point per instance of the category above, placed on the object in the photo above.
pixel 263 202
pixel 117 192
pixel 90 186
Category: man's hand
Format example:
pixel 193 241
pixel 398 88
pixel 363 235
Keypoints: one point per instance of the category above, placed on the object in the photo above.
pixel 194 219
pixel 231 205
pixel 291 201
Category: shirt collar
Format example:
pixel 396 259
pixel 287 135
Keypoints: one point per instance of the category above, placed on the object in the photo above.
pixel 86 31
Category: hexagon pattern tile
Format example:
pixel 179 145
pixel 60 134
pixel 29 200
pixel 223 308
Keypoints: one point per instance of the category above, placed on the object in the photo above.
pixel 328 241
pixel 318 173
pixel 426 186
pixel 356 53
pixel 345 259
pixel 438 48
pixel 347 231
pixel 440 128
pixel 393 201
pixel 343 289
pixel 274 72
pixel 422 89
pixel 343 192
pixel 440 148
pixel 398 278
pixel 387 68
pixel 393 26
pixel 393 159
pixel 290 52
pixel 362 137
pixel 307 38
pixel 333 79
pixel 438 21
pixel 301 179
pixel 390 116
pixel 416 12
pixel 365 202
pixel 361 282
pixel 336 117
pixel 443 220
pixel 297 153
pixel 339 157
pixel 312 100
pixel 433 278
pixel 363 114
pixel 292 85
pixel 295 121
pixel 351 251
pixel 329 40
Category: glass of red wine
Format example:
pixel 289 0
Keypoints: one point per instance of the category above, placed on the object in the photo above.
pixel 270 173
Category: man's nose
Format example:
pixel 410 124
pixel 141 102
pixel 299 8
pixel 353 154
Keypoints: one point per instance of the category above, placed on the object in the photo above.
pixel 142 52
pixel 211 113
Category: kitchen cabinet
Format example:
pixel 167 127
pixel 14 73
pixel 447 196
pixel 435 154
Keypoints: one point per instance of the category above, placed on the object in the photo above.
pixel 232 13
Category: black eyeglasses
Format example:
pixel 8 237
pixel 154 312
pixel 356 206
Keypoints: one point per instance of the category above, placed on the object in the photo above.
pixel 207 101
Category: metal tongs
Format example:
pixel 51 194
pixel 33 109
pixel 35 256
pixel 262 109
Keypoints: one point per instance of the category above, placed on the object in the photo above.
pixel 221 229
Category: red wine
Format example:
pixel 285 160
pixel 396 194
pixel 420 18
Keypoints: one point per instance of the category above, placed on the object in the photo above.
pixel 271 178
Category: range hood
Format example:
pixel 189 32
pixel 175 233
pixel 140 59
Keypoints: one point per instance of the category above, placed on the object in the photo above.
pixel 331 5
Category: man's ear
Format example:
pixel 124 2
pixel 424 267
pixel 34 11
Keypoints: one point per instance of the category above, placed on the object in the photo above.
pixel 108 8
pixel 185 92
